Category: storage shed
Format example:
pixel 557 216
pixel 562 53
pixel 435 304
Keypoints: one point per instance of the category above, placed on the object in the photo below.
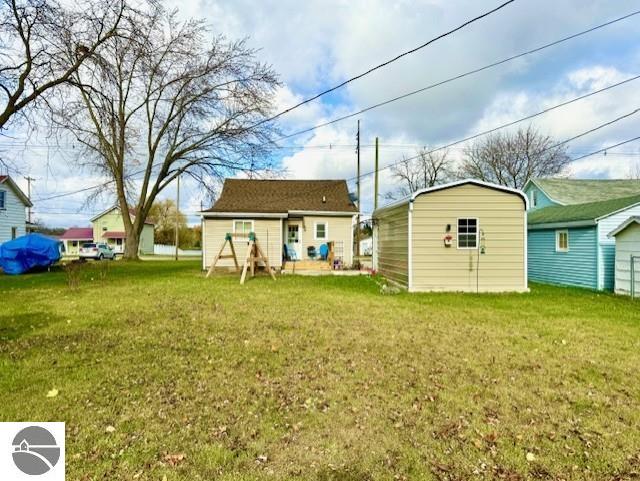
pixel 463 236
pixel 627 267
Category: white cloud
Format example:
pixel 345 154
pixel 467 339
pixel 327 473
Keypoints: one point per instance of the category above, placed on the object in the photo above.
pixel 317 43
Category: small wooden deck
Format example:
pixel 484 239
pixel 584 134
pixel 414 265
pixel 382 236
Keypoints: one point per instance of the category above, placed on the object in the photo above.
pixel 306 265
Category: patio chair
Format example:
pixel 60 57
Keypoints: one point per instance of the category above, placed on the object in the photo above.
pixel 324 252
pixel 289 253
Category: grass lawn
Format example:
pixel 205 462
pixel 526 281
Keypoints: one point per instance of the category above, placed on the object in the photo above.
pixel 162 374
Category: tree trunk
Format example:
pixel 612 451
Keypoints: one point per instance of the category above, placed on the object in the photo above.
pixel 133 242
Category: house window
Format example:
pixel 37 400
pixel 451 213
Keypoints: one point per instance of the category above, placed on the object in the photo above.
pixel 320 231
pixel 562 241
pixel 3 196
pixel 468 233
pixel 242 226
pixel 534 198
pixel 74 243
pixel 14 232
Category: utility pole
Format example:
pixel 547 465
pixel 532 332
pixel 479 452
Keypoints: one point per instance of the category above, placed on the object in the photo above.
pixel 358 194
pixel 29 179
pixel 375 189
pixel 177 215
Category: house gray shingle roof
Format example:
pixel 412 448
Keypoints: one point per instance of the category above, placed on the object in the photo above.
pixel 282 196
pixel 582 191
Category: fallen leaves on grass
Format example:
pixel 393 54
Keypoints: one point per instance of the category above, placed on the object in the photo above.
pixel 53 393
pixel 174 459
pixel 531 457
pixel 109 429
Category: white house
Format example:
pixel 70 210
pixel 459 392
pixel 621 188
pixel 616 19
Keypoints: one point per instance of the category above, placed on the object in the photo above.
pixel 627 274
pixel 13 214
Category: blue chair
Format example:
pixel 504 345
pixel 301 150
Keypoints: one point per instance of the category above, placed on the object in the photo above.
pixel 289 253
pixel 324 252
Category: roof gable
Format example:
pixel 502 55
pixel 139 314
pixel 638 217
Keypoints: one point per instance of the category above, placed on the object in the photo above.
pixel 6 180
pixel 282 196
pixel 581 191
pixel 132 211
pixel 627 223
pixel 457 183
pixel 587 212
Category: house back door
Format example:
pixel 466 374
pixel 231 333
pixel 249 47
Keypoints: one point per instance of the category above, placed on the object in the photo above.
pixel 293 239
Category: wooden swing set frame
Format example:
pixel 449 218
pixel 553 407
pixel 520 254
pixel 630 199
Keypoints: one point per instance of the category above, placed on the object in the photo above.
pixel 251 260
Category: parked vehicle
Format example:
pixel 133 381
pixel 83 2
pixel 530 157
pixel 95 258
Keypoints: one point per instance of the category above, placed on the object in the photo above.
pixel 29 252
pixel 96 251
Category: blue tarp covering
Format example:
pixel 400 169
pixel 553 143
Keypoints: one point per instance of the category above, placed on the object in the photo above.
pixel 24 253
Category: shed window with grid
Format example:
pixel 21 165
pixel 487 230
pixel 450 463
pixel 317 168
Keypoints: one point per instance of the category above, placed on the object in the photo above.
pixel 468 233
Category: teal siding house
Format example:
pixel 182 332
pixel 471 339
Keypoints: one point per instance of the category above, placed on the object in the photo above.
pixel 568 225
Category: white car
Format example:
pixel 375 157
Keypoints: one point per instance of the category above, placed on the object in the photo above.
pixel 96 251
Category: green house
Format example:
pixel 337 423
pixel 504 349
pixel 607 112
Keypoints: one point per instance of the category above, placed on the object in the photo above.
pixel 568 226
pixel 108 227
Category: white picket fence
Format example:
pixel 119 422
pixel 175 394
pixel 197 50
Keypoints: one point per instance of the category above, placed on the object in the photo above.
pixel 168 250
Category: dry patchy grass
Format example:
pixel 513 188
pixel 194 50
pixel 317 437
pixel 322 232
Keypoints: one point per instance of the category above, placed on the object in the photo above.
pixel 320 378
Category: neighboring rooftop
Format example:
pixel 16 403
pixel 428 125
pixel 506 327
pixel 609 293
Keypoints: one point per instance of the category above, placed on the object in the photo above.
pixel 5 179
pixel 585 212
pixel 635 219
pixel 77 233
pixel 282 196
pixel 580 191
pixel 132 211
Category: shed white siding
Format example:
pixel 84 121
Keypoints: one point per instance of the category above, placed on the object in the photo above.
pixel 13 215
pixel 627 244
pixel 606 245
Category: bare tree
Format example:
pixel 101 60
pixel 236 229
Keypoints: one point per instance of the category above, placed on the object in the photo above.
pixel 512 158
pixel 42 44
pixel 426 169
pixel 161 100
pixel 634 170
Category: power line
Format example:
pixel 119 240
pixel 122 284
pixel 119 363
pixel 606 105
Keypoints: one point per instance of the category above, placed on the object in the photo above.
pixel 606 148
pixel 384 64
pixel 508 124
pixel 446 146
pixel 97 186
pixel 459 76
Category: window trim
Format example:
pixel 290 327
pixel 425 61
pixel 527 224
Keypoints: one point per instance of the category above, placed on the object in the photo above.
pixel 326 231
pixel 233 224
pixel 477 233
pixel 3 196
pixel 558 232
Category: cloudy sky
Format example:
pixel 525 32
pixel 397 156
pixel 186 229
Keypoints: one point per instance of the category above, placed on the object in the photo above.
pixel 316 44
